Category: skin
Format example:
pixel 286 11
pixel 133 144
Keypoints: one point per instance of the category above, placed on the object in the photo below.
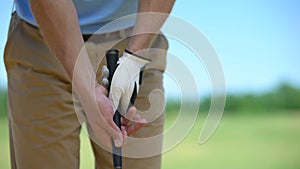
pixel 65 41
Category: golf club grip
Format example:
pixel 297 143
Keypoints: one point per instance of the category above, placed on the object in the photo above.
pixel 112 59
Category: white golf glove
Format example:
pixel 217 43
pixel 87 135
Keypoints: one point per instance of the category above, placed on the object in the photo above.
pixel 126 77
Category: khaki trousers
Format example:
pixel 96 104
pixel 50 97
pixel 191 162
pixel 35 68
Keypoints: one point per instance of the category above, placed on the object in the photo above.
pixel 44 128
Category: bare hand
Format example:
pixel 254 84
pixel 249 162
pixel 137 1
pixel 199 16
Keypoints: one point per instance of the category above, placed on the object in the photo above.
pixel 102 127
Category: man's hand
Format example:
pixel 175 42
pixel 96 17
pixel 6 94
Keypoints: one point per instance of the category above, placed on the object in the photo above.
pixel 132 121
pixel 102 127
pixel 125 80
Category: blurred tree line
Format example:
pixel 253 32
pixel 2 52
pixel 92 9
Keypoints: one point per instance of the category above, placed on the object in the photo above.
pixel 283 97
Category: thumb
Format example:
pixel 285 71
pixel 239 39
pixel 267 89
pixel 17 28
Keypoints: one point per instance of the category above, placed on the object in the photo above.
pixel 115 133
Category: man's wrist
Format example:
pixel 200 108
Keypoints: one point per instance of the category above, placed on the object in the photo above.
pixel 139 41
pixel 142 58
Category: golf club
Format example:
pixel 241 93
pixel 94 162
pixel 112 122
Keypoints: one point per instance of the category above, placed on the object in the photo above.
pixel 112 59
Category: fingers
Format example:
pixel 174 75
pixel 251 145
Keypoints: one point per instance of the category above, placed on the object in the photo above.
pixel 98 134
pixel 105 140
pixel 102 89
pixel 132 116
pixel 134 127
pixel 107 113
pixel 104 77
pixel 124 132
pixel 104 72
pixel 115 133
pixel 105 83
pixel 106 137
pixel 133 121
pixel 129 116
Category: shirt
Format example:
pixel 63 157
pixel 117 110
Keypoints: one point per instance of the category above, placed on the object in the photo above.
pixel 92 14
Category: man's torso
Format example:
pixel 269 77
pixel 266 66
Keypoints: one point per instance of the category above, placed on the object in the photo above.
pixel 92 14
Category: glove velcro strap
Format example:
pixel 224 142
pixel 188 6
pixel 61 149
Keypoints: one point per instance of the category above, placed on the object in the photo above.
pixel 138 58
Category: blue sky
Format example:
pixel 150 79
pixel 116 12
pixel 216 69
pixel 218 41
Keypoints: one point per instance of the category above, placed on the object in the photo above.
pixel 258 42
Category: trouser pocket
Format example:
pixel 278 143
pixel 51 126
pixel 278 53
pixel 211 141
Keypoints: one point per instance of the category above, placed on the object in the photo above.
pixel 14 22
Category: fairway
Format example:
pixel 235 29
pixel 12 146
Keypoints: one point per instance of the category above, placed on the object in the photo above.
pixel 241 142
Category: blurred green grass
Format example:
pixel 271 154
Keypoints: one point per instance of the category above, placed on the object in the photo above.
pixel 260 141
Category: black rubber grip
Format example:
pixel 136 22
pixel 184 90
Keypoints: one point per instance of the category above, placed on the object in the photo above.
pixel 112 57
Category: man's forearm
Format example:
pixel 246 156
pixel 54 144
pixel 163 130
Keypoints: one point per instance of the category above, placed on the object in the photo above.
pixel 58 23
pixel 151 16
pixel 59 26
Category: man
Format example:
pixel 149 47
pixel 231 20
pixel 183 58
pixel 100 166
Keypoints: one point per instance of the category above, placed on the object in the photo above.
pixel 46 58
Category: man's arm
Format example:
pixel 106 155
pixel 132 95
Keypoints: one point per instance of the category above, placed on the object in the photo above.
pixel 58 23
pixel 151 16
pixel 59 26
